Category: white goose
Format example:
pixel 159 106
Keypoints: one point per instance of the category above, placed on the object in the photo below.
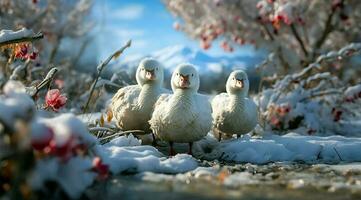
pixel 132 106
pixel 233 112
pixel 184 116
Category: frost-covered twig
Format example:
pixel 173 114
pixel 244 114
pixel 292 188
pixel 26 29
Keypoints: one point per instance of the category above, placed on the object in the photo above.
pixel 33 91
pixel 17 37
pixel 96 129
pixel 312 99
pixel 100 69
pixel 107 138
pixel 349 50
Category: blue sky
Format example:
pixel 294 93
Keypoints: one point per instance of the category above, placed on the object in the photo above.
pixel 147 22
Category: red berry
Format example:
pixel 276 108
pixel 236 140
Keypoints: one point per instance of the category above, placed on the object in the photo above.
pixel 33 56
pixel 41 143
pixel 100 168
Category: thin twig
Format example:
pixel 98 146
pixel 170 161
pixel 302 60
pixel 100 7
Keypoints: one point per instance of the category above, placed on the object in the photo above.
pixel 322 93
pixel 55 48
pixel 100 69
pixel 23 39
pixel 81 51
pixel 298 38
pixel 96 129
pixel 268 32
pixel 33 91
pixel 134 132
pixel 326 31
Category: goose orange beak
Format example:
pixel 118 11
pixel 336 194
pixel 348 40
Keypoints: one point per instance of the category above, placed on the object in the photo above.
pixel 150 75
pixel 184 81
pixel 239 83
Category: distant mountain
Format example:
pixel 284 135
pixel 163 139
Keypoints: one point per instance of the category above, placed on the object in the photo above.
pixel 212 69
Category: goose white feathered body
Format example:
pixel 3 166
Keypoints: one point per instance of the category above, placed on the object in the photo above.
pixel 132 106
pixel 234 114
pixel 182 117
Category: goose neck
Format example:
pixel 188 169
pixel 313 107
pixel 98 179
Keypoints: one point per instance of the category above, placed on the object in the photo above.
pixel 148 92
pixel 237 101
pixel 184 92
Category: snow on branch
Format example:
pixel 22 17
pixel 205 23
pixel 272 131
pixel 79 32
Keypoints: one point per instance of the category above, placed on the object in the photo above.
pixel 313 100
pixel 23 35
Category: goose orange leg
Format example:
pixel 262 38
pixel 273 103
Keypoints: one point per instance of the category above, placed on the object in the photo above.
pixel 154 143
pixel 171 149
pixel 190 148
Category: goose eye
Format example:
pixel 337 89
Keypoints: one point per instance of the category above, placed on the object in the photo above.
pixel 142 69
pixel 177 74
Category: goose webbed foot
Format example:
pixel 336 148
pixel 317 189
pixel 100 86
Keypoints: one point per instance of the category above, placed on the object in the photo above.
pixel 171 149
pixel 190 149
pixel 154 142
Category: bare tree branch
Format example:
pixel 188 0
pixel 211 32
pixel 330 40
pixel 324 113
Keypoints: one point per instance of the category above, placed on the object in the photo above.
pixel 298 38
pixel 100 69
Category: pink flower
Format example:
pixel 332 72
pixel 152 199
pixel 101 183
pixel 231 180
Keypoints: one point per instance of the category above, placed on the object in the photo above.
pixel 54 99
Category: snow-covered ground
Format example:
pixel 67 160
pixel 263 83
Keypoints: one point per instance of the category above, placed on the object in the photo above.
pixel 290 147
pixel 215 180
pixel 256 150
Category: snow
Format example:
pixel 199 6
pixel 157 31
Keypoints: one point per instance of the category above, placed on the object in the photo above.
pixel 74 176
pixel 240 178
pixel 6 35
pixel 66 126
pixel 16 106
pixel 124 141
pixel 133 159
pixel 344 167
pixel 204 171
pixel 352 91
pixel 290 147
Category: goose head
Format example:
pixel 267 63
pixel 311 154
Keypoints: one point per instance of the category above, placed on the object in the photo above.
pixel 237 83
pixel 185 78
pixel 149 71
